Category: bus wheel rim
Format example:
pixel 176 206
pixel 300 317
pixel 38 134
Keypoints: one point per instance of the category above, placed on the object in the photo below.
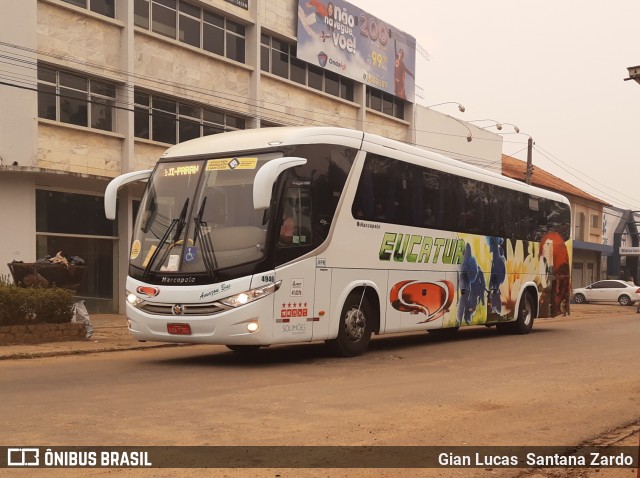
pixel 354 324
pixel 527 313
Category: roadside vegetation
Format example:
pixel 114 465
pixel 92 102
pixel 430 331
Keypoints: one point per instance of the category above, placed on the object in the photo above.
pixel 33 305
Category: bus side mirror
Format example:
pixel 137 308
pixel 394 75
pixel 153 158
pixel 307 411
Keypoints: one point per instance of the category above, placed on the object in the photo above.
pixel 111 193
pixel 267 175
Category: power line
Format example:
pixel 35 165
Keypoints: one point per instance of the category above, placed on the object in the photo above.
pixel 269 114
pixel 608 195
pixel 586 176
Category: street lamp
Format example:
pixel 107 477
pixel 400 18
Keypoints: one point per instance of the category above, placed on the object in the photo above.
pixel 460 106
pixel 462 110
pixel 497 124
pixel 469 135
pixel 634 73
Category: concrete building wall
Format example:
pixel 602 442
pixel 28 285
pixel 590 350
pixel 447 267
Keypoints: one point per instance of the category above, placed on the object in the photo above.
pixel 229 9
pixel 146 155
pixel 79 150
pixel 172 68
pixel 18 126
pixel 447 135
pixel 285 102
pixel 280 16
pixel 18 242
pixel 386 126
pixel 587 221
pixel 77 39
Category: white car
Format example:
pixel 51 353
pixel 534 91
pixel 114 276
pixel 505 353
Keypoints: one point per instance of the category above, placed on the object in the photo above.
pixel 625 293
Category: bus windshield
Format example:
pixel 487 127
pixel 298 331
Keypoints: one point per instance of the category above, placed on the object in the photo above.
pixel 197 217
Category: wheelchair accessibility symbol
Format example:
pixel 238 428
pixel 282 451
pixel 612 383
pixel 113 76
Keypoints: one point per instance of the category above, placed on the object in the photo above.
pixel 190 254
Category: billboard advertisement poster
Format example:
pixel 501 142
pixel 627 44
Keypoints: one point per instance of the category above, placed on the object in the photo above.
pixel 344 39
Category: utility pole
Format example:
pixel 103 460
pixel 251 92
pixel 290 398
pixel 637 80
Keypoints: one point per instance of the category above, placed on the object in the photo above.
pixel 529 160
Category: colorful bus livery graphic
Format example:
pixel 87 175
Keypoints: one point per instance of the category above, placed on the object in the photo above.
pixel 491 273
pixel 432 299
pixel 420 249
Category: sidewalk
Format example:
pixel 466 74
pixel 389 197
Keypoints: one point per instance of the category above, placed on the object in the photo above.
pixel 110 334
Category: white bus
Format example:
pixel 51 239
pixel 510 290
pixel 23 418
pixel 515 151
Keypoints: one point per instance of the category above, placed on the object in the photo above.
pixel 283 235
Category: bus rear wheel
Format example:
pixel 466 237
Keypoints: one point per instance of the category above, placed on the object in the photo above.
pixel 354 332
pixel 524 323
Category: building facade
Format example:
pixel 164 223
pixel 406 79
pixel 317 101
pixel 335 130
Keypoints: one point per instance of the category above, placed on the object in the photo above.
pixel 587 217
pixel 95 88
pixel 620 234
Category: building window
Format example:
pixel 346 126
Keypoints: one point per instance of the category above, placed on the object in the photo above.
pixel 75 99
pixel 279 58
pixel 192 25
pixel 595 221
pixel 385 103
pixel 103 7
pixel 74 224
pixel 580 226
pixel 167 120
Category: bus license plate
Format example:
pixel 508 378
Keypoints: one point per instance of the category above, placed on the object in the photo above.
pixel 179 329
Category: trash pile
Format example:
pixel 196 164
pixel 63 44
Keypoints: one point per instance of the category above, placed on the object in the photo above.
pixel 60 258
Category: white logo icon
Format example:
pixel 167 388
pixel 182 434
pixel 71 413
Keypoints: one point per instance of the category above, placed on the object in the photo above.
pixel 23 457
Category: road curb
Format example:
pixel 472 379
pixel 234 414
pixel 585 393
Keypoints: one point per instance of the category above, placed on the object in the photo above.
pixel 62 353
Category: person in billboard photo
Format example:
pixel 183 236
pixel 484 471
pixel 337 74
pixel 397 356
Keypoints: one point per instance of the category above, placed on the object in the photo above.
pixel 400 71
pixel 316 17
pixel 321 10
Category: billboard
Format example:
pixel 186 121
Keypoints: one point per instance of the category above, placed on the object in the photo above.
pixel 349 41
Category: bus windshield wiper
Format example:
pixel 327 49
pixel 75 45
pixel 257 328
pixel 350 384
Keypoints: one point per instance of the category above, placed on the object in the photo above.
pixel 179 222
pixel 208 254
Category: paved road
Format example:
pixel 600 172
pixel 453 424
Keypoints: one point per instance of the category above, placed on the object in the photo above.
pixel 568 381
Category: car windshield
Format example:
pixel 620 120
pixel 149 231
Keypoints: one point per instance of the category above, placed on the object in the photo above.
pixel 198 216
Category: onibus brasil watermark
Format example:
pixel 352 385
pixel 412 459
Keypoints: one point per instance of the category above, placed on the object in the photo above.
pixel 319 457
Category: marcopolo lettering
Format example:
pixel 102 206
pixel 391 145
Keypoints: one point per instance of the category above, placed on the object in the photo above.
pixel 178 280
pixel 421 249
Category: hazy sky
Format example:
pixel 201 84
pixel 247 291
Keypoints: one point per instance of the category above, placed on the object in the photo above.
pixel 554 68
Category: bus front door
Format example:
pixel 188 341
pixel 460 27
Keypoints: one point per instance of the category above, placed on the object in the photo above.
pixel 293 307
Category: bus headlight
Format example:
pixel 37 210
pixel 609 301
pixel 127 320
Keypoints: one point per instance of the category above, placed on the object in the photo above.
pixel 133 299
pixel 250 295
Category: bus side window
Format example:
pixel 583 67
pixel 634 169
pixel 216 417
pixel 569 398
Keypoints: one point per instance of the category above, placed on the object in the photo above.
pixel 295 226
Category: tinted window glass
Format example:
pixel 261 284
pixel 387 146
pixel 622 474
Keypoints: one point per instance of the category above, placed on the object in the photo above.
pixel 312 192
pixel 141 13
pixel 189 31
pixel 164 20
pixel 47 101
pixel 235 47
pixel 104 7
pixel 72 214
pixel 213 39
pixel 395 192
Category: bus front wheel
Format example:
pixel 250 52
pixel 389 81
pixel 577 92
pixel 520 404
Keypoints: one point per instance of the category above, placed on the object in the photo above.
pixel 356 324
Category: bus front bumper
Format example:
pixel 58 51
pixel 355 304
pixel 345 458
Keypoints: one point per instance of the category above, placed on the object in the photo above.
pixel 249 324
